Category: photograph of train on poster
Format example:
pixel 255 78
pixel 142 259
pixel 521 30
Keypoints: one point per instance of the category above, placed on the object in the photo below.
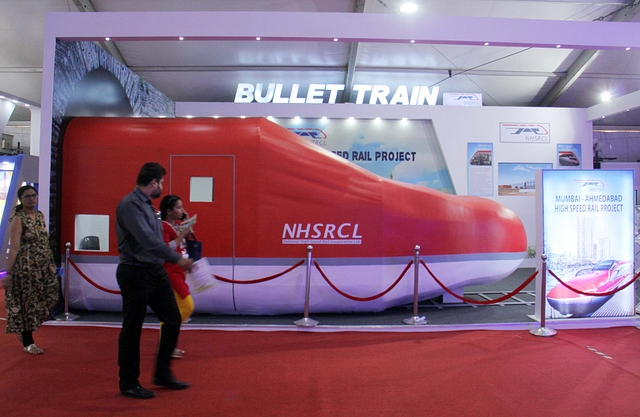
pixel 588 223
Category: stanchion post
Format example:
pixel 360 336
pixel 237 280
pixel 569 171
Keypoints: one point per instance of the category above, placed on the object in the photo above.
pixel 542 330
pixel 306 321
pixel 66 316
pixel 416 273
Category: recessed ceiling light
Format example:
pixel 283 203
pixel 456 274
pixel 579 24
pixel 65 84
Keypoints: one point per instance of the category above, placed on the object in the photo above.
pixel 606 96
pixel 628 49
pixel 106 39
pixel 486 44
pixel 335 39
pixel 558 46
pixel 409 7
pixel 181 38
pixel 413 41
pixel 257 38
pixel 324 117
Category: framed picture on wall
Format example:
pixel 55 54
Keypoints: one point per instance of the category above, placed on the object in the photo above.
pixel 569 156
pixel 518 179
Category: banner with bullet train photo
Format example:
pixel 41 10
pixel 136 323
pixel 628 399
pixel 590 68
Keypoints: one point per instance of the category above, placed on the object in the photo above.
pixel 402 150
pixel 588 238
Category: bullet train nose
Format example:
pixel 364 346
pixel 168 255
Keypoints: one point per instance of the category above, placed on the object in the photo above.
pixel 275 193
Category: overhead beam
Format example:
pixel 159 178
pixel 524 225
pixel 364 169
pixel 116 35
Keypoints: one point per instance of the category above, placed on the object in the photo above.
pixel 110 47
pixel 618 105
pixel 585 59
pixel 354 54
pixel 347 27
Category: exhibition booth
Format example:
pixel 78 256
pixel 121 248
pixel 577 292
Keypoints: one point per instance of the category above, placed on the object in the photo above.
pixel 309 204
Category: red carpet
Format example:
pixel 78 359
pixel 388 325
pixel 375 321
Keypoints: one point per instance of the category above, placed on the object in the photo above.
pixel 246 373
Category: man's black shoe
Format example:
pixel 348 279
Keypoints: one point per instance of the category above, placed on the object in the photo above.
pixel 171 383
pixel 138 392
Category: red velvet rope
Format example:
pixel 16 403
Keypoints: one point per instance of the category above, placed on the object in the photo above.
pixel 470 301
pixel 256 281
pixel 90 281
pixel 351 297
pixel 596 294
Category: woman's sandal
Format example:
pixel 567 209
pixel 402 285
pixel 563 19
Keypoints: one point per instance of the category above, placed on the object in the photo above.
pixel 33 349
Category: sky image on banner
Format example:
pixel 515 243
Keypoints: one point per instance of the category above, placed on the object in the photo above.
pixel 588 226
pixel 401 150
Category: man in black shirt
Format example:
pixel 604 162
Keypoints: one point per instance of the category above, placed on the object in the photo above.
pixel 144 282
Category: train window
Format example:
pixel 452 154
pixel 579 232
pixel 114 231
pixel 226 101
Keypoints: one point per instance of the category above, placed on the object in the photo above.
pixel 92 232
pixel 201 189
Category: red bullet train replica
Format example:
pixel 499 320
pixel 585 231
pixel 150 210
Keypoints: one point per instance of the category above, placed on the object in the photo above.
pixel 604 277
pixel 269 195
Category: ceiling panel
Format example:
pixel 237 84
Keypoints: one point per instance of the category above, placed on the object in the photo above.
pixel 170 54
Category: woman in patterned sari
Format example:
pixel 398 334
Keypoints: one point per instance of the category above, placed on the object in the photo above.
pixel 31 283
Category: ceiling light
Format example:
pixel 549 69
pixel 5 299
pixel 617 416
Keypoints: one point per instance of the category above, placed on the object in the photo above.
pixel 409 7
pixel 628 49
pixel 257 38
pixel 324 117
pixel 606 96
pixel 413 41
pixel 181 38
pixel 107 39
pixel 335 39
pixel 558 46
pixel 486 44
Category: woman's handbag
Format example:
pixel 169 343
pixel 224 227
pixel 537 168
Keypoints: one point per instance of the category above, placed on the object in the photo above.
pixel 194 248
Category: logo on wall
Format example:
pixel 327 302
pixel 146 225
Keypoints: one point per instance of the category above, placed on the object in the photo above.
pixel 525 132
pixel 321 234
pixel 462 99
pixel 314 134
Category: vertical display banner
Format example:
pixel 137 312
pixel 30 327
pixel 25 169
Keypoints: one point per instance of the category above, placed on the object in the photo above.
pixel 588 238
pixel 480 168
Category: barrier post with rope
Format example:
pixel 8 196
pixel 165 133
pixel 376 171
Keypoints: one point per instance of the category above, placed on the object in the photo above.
pixel 306 321
pixel 66 316
pixel 543 331
pixel 415 319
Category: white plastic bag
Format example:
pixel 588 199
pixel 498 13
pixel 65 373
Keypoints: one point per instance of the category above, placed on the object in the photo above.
pixel 199 278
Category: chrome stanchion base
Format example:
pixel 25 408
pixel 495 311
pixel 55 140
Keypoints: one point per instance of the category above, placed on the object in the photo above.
pixel 415 320
pixel 66 317
pixel 543 332
pixel 305 322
